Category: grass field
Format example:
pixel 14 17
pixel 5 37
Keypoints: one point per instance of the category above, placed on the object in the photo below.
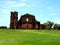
pixel 29 37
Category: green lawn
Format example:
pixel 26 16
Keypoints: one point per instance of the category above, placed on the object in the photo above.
pixel 29 37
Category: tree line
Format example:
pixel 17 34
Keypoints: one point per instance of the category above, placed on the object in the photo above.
pixel 52 25
pixel 3 27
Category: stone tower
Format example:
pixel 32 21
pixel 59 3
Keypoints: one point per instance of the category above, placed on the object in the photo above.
pixel 13 20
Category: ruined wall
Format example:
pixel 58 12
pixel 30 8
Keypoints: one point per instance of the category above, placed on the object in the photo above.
pixel 28 22
pixel 13 20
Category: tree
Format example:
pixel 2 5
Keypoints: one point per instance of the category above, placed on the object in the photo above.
pixel 48 24
pixel 57 26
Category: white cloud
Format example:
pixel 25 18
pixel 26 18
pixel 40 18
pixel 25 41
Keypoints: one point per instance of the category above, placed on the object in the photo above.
pixel 4 10
pixel 23 0
pixel 15 4
pixel 19 5
pixel 11 2
pixel 50 7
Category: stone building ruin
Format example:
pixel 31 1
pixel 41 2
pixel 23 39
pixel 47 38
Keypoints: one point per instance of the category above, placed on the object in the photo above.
pixel 27 21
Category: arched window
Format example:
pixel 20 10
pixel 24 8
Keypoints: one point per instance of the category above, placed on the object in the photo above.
pixel 27 19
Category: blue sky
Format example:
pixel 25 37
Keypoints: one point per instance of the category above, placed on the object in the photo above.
pixel 43 10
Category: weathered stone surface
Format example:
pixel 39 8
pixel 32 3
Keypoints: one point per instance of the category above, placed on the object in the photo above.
pixel 27 21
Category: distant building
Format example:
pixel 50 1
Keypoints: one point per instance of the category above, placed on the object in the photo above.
pixel 27 21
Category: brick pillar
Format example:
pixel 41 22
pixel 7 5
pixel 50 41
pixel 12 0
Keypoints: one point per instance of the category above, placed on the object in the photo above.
pixel 13 20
